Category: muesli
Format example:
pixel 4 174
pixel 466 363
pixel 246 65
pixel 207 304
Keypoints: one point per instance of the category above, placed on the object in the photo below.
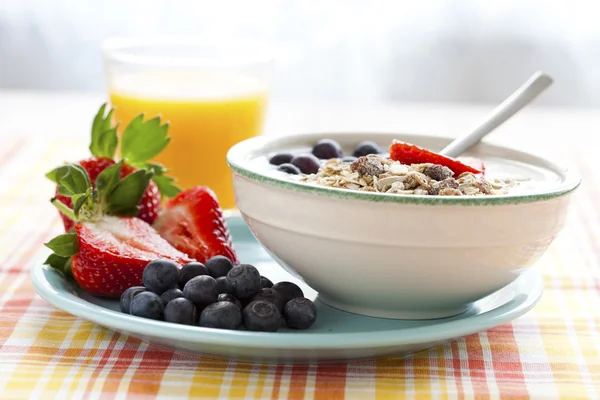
pixel 373 173
pixel 407 169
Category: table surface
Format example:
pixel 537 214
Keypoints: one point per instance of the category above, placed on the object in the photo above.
pixel 551 352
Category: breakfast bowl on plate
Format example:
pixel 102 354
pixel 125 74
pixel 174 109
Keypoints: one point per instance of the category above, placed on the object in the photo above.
pixel 378 230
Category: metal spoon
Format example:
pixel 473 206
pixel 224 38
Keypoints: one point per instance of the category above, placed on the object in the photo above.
pixel 519 99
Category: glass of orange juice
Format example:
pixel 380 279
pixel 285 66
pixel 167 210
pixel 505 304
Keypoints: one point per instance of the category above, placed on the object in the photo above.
pixel 212 94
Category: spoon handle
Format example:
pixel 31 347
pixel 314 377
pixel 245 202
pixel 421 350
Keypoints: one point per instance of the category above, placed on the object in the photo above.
pixel 519 99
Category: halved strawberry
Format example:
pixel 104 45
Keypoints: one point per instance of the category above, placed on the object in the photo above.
pixel 113 252
pixel 410 154
pixel 193 223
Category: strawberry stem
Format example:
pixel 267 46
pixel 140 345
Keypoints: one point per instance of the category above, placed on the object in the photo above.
pixel 63 208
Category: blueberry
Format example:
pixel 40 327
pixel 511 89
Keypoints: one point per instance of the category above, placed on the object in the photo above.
pixel 171 294
pixel 223 285
pixel 300 313
pixel 265 282
pixel 289 169
pixel 221 315
pixel 366 148
pixel 147 305
pixel 128 295
pixel 288 291
pixel 201 290
pixel 218 266
pixel 191 270
pixel 261 316
pixel 327 148
pixel 272 296
pixel 160 275
pixel 281 158
pixel 349 159
pixel 181 311
pixel 245 281
pixel 306 163
pixel 230 298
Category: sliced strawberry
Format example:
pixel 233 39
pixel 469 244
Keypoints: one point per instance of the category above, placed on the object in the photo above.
pixel 149 205
pixel 113 253
pixel 193 223
pixel 410 154
pixel 473 162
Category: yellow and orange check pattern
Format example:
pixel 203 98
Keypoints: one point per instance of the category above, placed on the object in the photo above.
pixel 551 352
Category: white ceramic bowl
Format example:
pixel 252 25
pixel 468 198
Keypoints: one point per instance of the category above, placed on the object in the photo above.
pixel 400 256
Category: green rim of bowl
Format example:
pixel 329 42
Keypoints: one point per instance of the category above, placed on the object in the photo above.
pixel 570 182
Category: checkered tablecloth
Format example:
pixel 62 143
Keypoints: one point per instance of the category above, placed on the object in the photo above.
pixel 551 352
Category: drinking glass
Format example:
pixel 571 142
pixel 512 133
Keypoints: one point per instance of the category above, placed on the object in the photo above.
pixel 213 94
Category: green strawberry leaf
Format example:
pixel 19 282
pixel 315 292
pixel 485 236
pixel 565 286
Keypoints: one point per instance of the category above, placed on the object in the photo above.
pixel 64 245
pixel 52 175
pixel 127 193
pixel 56 261
pixel 68 268
pixel 79 200
pixel 71 179
pixel 63 208
pixel 157 169
pixel 62 264
pixel 104 134
pixel 123 211
pixel 166 184
pixel 142 141
pixel 108 179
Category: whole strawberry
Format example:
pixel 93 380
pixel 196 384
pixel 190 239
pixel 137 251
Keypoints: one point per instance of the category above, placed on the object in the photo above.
pixel 140 142
pixel 93 166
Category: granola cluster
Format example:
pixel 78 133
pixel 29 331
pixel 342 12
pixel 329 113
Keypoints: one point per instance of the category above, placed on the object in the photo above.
pixel 373 173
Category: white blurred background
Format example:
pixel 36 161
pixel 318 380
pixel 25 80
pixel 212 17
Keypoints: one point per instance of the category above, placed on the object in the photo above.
pixel 352 51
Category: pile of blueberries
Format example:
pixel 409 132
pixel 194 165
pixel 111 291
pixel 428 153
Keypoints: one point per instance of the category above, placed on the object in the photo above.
pixel 217 295
pixel 324 149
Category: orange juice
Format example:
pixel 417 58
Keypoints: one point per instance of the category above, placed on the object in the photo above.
pixel 207 114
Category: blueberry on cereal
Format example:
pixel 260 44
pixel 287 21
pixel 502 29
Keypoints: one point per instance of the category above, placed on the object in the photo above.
pixel 281 158
pixel 306 163
pixel 327 148
pixel 366 148
pixel 289 169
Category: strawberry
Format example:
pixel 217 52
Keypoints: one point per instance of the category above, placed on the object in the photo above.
pixel 113 252
pixel 410 154
pixel 93 166
pixel 473 162
pixel 136 151
pixel 108 248
pixel 149 205
pixel 193 223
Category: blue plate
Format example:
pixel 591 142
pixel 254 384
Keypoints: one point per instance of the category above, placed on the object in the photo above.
pixel 337 336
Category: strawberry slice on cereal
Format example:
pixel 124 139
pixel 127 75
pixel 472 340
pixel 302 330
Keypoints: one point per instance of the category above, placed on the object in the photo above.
pixel 407 153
